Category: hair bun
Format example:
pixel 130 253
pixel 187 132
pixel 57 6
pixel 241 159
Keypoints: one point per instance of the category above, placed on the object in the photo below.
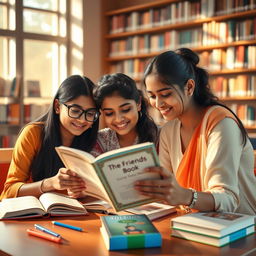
pixel 189 55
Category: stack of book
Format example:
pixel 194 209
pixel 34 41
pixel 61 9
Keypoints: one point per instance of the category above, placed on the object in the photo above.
pixel 129 231
pixel 213 228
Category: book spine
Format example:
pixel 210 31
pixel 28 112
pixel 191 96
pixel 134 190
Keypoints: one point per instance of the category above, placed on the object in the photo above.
pixel 241 233
pixel 135 241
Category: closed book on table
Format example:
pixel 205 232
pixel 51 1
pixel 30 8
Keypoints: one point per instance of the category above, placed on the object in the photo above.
pixel 129 232
pixel 211 240
pixel 215 228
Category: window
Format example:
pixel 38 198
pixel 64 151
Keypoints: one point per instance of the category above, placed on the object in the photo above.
pixel 41 40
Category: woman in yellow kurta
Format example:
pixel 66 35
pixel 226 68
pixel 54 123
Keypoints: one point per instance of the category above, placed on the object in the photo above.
pixel 204 149
pixel 72 120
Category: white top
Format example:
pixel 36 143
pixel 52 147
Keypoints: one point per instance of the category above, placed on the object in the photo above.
pixel 228 172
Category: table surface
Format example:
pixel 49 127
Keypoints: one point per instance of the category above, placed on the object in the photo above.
pixel 14 240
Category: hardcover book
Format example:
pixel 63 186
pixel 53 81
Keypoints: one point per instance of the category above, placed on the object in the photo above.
pixel 48 204
pixel 212 240
pixel 214 228
pixel 129 231
pixel 111 176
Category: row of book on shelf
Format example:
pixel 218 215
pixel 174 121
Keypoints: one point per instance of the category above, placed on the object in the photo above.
pixel 10 113
pixel 246 113
pixel 11 88
pixel 7 141
pixel 234 86
pixel 177 12
pixel 211 33
pixel 229 60
pixel 115 187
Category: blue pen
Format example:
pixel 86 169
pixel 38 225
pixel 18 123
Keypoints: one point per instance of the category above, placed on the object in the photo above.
pixel 66 226
pixel 46 230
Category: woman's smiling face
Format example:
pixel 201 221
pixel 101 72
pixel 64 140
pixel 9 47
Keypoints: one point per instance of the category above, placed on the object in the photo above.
pixel 120 114
pixel 71 127
pixel 169 100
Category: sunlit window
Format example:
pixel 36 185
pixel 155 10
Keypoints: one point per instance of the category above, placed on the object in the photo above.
pixel 7 57
pixel 41 43
pixel 46 36
pixel 46 17
pixel 7 14
pixel 45 58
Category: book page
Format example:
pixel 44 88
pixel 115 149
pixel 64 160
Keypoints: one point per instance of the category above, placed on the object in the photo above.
pixel 54 202
pixel 119 172
pixel 153 210
pixel 97 205
pixel 21 206
pixel 81 163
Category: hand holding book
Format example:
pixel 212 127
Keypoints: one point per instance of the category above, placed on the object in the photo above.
pixel 65 179
pixel 160 188
pixel 111 176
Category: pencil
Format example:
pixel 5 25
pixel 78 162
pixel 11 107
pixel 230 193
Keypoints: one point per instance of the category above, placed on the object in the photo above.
pixel 66 226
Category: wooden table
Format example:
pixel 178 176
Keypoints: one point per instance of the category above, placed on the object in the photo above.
pixel 15 241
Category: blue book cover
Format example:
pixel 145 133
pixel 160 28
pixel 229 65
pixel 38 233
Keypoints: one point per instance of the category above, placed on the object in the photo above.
pixel 129 231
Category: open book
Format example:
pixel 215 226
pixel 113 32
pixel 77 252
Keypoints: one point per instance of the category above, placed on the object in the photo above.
pixel 153 210
pixel 48 204
pixel 111 176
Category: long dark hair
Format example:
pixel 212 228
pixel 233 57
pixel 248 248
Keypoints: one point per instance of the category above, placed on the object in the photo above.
pixel 47 163
pixel 126 88
pixel 177 67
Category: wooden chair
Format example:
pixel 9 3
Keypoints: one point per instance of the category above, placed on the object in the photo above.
pixel 5 160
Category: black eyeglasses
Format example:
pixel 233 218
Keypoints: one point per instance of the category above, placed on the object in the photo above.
pixel 90 114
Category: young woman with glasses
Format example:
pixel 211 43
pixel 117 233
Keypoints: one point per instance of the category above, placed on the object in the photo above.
pixel 124 112
pixel 72 120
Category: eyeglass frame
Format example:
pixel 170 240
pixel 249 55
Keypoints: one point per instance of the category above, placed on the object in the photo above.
pixel 83 112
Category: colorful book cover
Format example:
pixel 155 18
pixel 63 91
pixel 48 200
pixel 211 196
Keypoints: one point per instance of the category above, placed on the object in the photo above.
pixel 111 176
pixel 129 231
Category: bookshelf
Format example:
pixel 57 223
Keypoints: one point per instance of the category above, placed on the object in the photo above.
pixel 223 33
pixel 17 109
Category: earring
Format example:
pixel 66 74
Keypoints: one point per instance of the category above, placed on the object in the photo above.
pixel 140 114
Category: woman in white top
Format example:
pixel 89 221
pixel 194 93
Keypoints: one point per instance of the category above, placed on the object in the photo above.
pixel 206 157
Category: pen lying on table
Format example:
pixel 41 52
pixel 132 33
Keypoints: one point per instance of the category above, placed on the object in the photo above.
pixel 66 226
pixel 36 233
pixel 46 230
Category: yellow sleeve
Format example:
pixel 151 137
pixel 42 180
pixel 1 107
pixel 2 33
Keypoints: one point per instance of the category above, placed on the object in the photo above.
pixel 26 147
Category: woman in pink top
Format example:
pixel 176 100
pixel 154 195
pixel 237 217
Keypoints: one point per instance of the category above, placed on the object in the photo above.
pixel 124 112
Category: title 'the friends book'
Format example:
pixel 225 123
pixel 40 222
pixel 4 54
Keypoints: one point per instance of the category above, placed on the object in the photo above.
pixel 111 176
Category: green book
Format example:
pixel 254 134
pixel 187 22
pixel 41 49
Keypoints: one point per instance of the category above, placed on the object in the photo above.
pixel 129 232
pixel 112 175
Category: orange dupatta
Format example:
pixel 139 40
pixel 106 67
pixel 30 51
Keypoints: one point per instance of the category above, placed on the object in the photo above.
pixel 188 173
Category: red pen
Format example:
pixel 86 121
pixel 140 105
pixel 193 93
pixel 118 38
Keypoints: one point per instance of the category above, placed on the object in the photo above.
pixel 33 232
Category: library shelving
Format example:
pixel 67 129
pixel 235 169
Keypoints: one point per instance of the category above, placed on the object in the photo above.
pixel 223 33
pixel 16 109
